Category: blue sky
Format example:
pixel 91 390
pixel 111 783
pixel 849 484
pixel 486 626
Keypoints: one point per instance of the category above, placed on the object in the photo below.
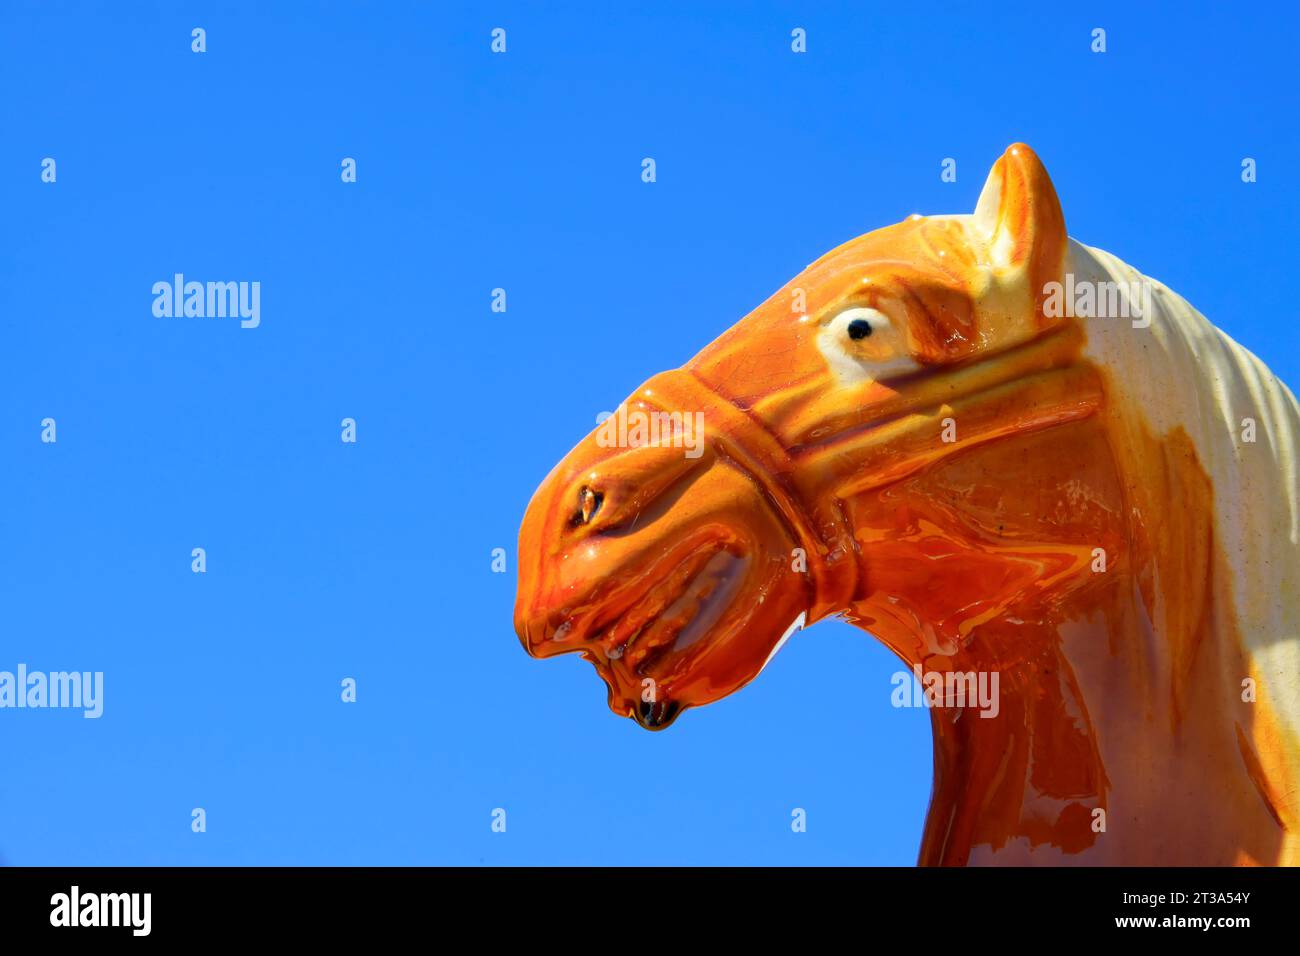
pixel 477 171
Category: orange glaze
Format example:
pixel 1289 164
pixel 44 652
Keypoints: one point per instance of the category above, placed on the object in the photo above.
pixel 817 495
pixel 1095 711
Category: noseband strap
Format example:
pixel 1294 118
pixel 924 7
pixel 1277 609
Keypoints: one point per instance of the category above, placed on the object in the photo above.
pixel 736 434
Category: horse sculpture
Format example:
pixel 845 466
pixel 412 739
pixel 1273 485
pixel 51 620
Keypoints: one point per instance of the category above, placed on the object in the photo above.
pixel 1000 452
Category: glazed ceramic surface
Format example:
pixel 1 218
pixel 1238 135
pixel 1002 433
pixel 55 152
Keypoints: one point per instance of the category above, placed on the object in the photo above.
pixel 999 451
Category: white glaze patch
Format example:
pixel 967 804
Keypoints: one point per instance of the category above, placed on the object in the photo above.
pixel 1182 371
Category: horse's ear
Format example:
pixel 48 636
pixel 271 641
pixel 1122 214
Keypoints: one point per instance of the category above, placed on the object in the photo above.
pixel 1019 216
pixel 1018 212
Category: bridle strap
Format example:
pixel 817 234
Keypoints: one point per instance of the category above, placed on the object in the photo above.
pixel 738 435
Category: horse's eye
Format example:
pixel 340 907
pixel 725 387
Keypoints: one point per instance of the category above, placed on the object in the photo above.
pixel 588 504
pixel 859 329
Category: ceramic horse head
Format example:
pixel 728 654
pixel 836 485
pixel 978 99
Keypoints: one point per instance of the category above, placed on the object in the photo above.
pixel 999 451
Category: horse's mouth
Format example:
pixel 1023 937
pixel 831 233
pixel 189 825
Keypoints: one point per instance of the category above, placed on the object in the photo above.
pixel 640 646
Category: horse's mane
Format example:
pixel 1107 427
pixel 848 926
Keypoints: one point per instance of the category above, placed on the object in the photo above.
pixel 1181 371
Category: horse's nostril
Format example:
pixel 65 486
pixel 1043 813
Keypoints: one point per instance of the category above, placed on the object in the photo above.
pixel 588 504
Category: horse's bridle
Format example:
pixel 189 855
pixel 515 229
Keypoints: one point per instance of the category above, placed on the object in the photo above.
pixel 741 438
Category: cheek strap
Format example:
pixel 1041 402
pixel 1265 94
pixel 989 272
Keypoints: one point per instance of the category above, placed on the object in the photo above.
pixel 735 434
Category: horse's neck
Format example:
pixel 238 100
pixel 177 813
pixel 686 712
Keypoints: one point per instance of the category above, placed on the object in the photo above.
pixel 1096 711
pixel 1085 564
pixel 1200 394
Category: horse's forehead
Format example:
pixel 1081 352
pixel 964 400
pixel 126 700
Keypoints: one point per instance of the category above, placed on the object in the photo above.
pixel 935 249
pixel 899 259
pixel 774 343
